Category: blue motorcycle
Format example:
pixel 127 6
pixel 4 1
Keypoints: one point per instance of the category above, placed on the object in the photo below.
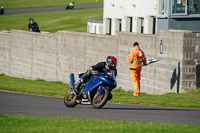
pixel 96 91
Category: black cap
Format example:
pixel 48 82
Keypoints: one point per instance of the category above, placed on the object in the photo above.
pixel 135 44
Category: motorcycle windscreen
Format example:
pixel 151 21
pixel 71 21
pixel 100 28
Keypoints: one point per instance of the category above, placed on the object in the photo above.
pixel 108 80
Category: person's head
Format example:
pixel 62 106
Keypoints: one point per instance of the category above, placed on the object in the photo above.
pixel 31 21
pixel 135 44
pixel 111 62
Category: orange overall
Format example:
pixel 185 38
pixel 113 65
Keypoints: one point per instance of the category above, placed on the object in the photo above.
pixel 136 59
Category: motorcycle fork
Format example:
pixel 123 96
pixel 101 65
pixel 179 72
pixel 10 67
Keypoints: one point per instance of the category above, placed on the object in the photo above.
pixel 101 90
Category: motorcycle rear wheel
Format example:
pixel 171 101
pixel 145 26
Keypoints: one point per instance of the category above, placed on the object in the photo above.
pixel 100 100
pixel 70 99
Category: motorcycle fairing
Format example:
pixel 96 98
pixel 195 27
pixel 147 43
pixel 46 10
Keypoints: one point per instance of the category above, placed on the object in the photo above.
pixel 92 84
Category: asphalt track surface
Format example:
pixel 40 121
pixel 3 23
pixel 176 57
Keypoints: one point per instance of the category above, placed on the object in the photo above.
pixel 33 105
pixel 48 9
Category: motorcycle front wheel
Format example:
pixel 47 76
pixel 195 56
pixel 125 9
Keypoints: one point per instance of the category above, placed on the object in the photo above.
pixel 70 99
pixel 100 100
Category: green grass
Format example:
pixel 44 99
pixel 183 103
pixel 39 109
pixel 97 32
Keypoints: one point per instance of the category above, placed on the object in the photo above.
pixel 28 124
pixel 42 3
pixel 73 20
pixel 33 86
pixel 186 100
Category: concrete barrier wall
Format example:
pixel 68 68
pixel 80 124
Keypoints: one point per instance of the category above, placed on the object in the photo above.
pixel 21 54
pixel 78 51
pixel 5 53
pixel 53 57
pixel 162 76
pixel 126 41
pixel 44 57
pixel 191 61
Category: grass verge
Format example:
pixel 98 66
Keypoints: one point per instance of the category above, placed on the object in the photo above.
pixel 33 86
pixel 42 3
pixel 186 100
pixel 72 20
pixel 28 124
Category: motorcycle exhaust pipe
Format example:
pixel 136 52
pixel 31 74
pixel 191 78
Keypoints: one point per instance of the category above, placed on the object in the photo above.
pixel 72 80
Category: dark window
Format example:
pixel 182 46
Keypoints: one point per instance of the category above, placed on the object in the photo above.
pixel 108 26
pixel 154 25
pixel 118 25
pixel 163 5
pixel 185 7
pixel 179 6
pixel 193 6
pixel 142 25
pixel 129 24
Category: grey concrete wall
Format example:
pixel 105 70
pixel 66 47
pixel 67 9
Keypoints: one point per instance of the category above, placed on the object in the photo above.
pixel 162 76
pixel 53 57
pixel 20 54
pixel 185 24
pixel 178 24
pixel 28 55
pixel 78 51
pixel 162 24
pixel 44 57
pixel 5 53
pixel 191 61
pixel 146 42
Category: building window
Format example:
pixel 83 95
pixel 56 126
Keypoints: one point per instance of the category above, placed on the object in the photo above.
pixel 154 26
pixel 88 28
pixel 129 23
pixel 193 7
pixel 108 26
pixel 163 7
pixel 185 7
pixel 100 29
pixel 95 30
pixel 118 25
pixel 179 6
pixel 142 25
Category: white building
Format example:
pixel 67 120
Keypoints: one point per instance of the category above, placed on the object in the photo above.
pixel 95 26
pixel 129 15
pixel 147 16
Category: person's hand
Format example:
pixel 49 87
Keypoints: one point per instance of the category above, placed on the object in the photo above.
pixel 128 53
pixel 94 72
pixel 30 30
